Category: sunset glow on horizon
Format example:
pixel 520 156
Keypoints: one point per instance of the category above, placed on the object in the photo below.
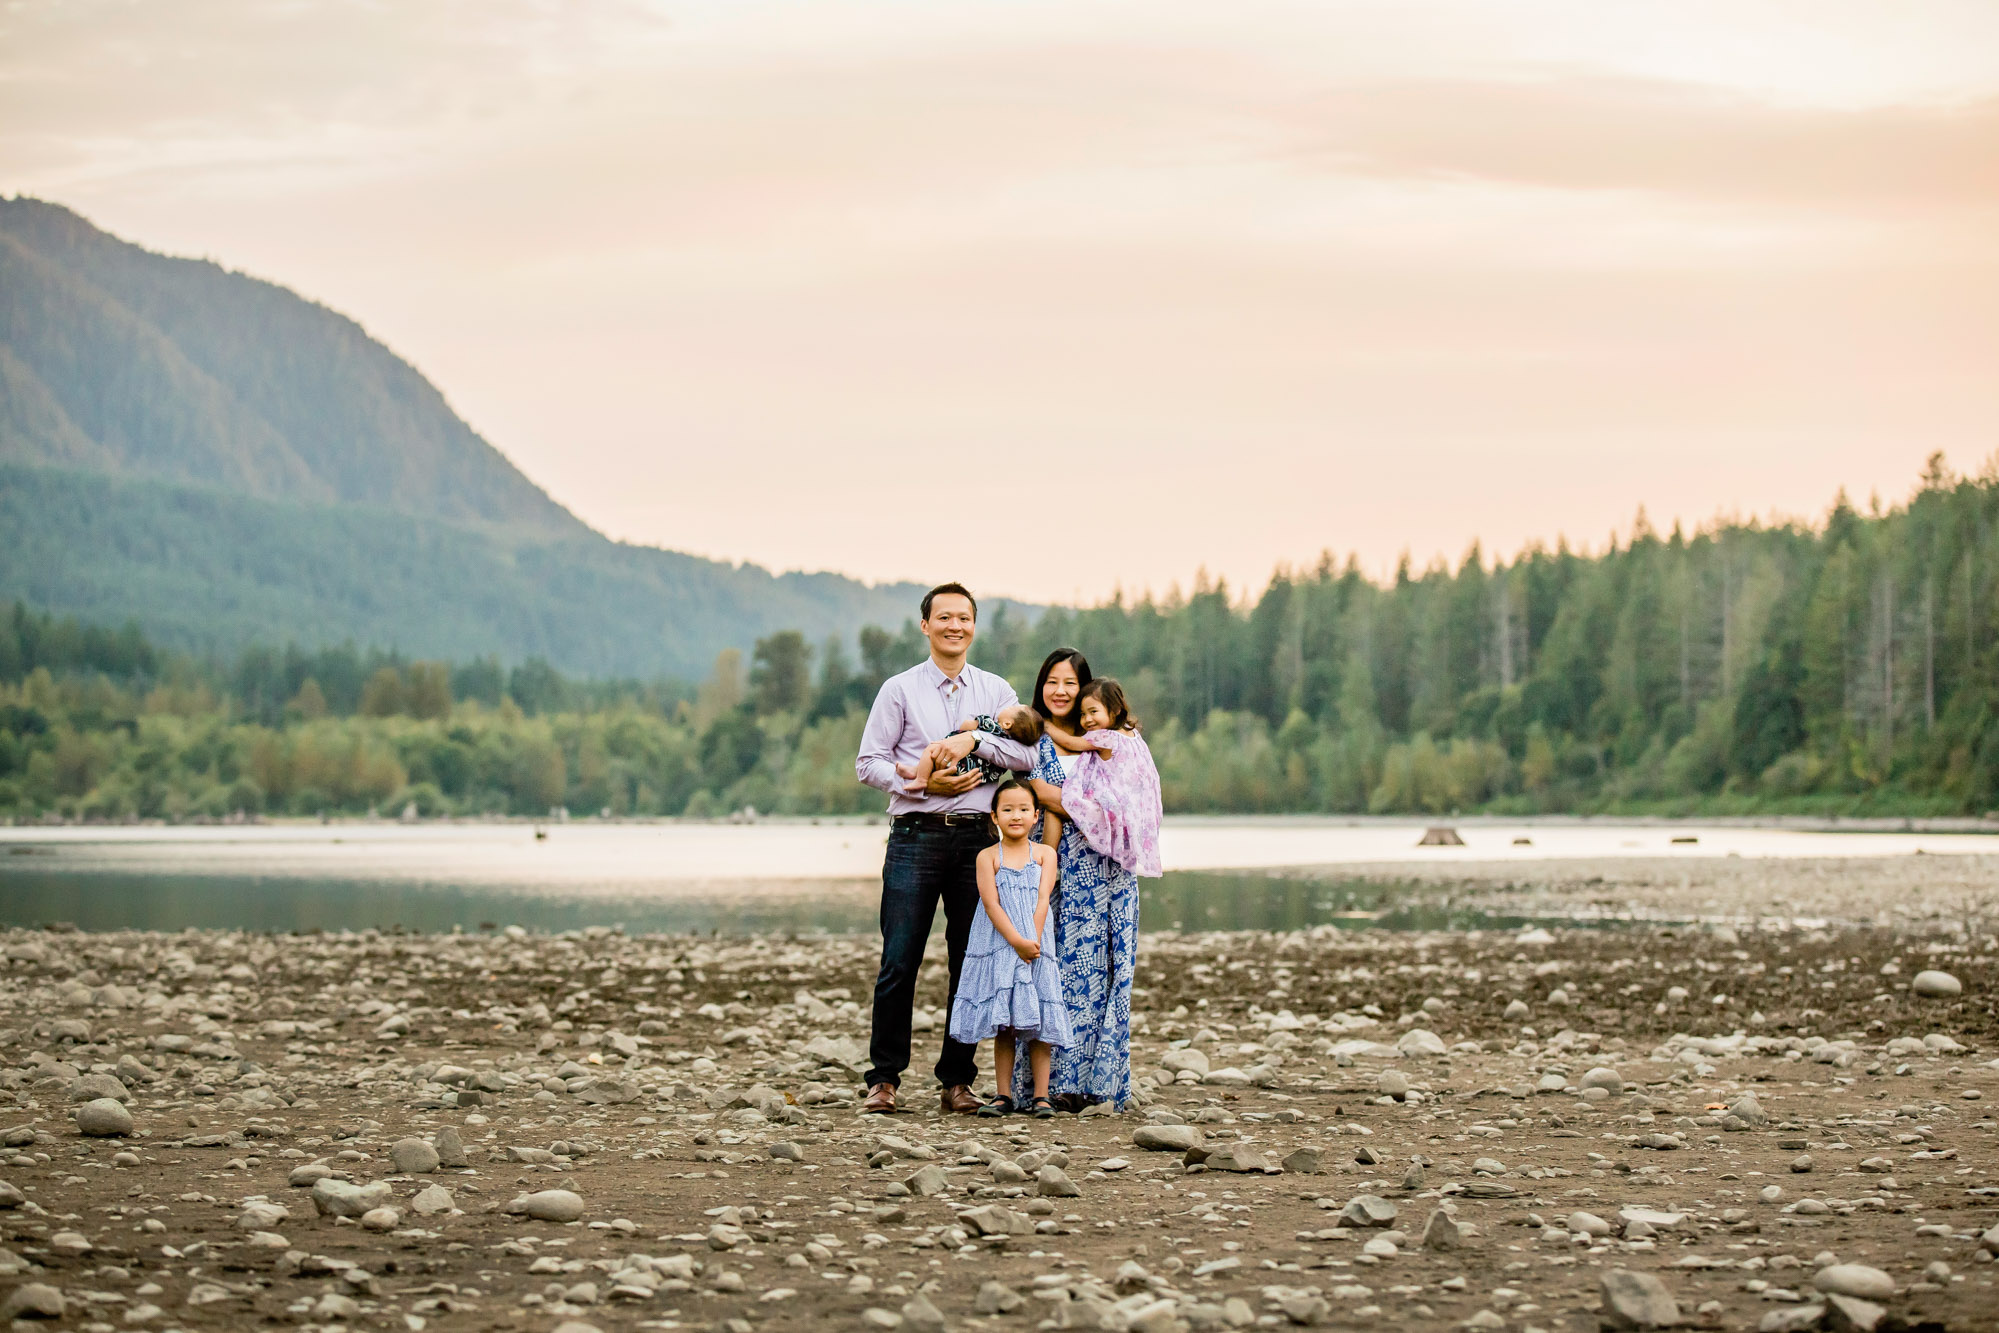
pixel 1061 299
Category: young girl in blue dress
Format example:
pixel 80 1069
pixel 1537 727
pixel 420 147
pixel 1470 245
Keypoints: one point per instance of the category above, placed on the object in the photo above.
pixel 1010 987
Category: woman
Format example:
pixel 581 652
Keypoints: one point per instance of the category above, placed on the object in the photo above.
pixel 1096 916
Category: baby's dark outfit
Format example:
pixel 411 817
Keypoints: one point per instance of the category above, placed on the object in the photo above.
pixel 987 770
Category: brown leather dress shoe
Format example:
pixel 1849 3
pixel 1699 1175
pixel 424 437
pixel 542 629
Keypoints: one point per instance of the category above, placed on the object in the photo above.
pixel 880 1100
pixel 958 1100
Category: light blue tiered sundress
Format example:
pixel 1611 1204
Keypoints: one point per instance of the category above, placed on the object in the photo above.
pixel 997 988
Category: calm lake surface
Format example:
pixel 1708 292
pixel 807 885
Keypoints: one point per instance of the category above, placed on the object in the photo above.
pixel 793 877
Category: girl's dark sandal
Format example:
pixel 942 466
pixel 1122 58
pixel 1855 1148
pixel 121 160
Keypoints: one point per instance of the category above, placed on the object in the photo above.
pixel 998 1106
pixel 1044 1109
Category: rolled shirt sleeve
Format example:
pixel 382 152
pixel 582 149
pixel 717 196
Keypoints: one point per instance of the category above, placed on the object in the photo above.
pixel 874 765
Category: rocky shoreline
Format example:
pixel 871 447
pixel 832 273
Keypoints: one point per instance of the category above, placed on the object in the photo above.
pixel 1764 1122
pixel 1924 895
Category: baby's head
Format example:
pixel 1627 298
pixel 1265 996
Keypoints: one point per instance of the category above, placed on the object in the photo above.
pixel 1020 722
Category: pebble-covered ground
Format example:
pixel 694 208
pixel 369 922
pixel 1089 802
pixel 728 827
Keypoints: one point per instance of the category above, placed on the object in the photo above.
pixel 1759 1125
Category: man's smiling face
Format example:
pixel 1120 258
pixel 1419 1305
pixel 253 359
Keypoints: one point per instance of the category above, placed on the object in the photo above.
pixel 950 625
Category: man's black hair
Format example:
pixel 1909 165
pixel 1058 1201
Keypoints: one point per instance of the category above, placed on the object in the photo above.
pixel 946 588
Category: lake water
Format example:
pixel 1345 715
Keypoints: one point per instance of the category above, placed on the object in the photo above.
pixel 787 876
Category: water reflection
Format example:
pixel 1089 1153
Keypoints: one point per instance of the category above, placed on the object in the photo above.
pixel 1194 900
pixel 1182 900
pixel 109 901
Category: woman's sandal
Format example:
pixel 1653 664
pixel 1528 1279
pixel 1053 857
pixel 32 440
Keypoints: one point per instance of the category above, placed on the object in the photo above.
pixel 998 1106
pixel 1043 1109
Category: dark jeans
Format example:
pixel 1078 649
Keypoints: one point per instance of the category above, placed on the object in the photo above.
pixel 925 864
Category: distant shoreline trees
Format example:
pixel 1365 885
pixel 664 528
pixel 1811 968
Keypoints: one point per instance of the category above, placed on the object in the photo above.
pixel 1851 667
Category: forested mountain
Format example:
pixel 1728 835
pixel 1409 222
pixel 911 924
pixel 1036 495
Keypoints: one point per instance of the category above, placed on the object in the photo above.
pixel 227 462
pixel 116 359
pixel 1851 667
pixel 212 573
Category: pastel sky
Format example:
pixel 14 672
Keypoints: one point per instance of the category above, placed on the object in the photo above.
pixel 1057 297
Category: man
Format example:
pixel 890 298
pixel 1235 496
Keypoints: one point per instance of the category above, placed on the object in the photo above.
pixel 934 837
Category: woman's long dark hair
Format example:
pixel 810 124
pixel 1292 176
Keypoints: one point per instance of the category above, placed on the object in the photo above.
pixel 1083 677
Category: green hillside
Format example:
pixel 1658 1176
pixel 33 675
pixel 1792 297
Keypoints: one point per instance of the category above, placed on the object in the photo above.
pixel 116 359
pixel 225 462
pixel 209 572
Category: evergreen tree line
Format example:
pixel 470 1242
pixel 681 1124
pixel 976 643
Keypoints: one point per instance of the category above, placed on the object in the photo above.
pixel 1851 666
pixel 1847 666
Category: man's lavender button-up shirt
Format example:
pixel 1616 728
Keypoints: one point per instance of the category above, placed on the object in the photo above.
pixel 923 705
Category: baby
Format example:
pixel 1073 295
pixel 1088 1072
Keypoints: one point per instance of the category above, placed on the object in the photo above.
pixel 1019 722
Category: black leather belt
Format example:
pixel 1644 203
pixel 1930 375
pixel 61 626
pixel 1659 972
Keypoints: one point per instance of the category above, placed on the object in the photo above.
pixel 941 818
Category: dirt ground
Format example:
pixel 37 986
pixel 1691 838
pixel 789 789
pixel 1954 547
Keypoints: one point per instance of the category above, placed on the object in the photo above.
pixel 697 1096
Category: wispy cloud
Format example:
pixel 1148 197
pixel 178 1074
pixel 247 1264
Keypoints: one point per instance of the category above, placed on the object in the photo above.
pixel 1662 138
pixel 737 276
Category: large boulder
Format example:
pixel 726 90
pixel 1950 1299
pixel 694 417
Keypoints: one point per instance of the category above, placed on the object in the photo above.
pixel 1748 1110
pixel 413 1157
pixel 929 1180
pixel 1637 1301
pixel 1869 1284
pixel 1052 1182
pixel 1233 1157
pixel 550 1205
pixel 33 1300
pixel 104 1117
pixel 92 1086
pixel 261 1215
pixel 432 1199
pixel 1603 1077
pixel 343 1198
pixel 1442 1232
pixel 450 1148
pixel 1368 1210
pixel 607 1092
pixel 993 1220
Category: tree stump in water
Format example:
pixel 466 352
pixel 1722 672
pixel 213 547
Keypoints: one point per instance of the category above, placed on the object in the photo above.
pixel 1441 837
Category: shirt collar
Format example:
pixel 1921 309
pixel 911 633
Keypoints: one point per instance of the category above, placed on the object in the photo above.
pixel 937 678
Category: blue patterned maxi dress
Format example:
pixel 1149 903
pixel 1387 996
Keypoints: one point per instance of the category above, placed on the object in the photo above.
pixel 1096 937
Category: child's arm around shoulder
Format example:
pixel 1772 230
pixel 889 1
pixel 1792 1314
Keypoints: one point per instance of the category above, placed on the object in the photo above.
pixel 1062 738
pixel 1069 742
